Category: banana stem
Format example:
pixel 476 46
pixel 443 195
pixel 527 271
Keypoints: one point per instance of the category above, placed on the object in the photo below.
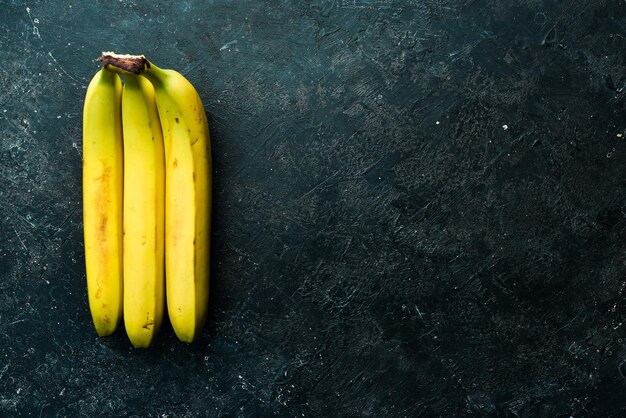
pixel 124 64
pixel 154 74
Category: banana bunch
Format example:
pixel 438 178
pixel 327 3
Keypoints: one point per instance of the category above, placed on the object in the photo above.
pixel 146 200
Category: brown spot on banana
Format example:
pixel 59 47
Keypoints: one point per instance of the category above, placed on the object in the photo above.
pixel 102 223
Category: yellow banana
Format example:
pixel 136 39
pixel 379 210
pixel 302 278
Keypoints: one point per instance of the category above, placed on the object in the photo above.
pixel 144 189
pixel 102 199
pixel 187 199
pixel 187 191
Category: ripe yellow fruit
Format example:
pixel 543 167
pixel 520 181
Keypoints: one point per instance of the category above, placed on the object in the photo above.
pixel 102 199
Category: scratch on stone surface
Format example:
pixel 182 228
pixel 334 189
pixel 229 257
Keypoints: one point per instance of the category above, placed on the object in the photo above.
pixel 8 179
pixel 320 184
pixel 20 238
pixel 267 138
pixel 328 370
pixel 371 167
pixel 4 369
pixel 67 218
pixel 254 237
pixel 568 323
pixel 70 268
pixel 507 149
pixel 347 247
pixel 481 269
pixel 439 197
pixel 67 73
pixel 228 44
pixel 23 218
pixel 15 322
pixel 280 48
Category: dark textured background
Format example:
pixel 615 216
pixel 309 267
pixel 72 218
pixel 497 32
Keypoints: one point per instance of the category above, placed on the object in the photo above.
pixel 420 209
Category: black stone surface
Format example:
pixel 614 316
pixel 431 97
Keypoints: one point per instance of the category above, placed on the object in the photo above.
pixel 420 209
